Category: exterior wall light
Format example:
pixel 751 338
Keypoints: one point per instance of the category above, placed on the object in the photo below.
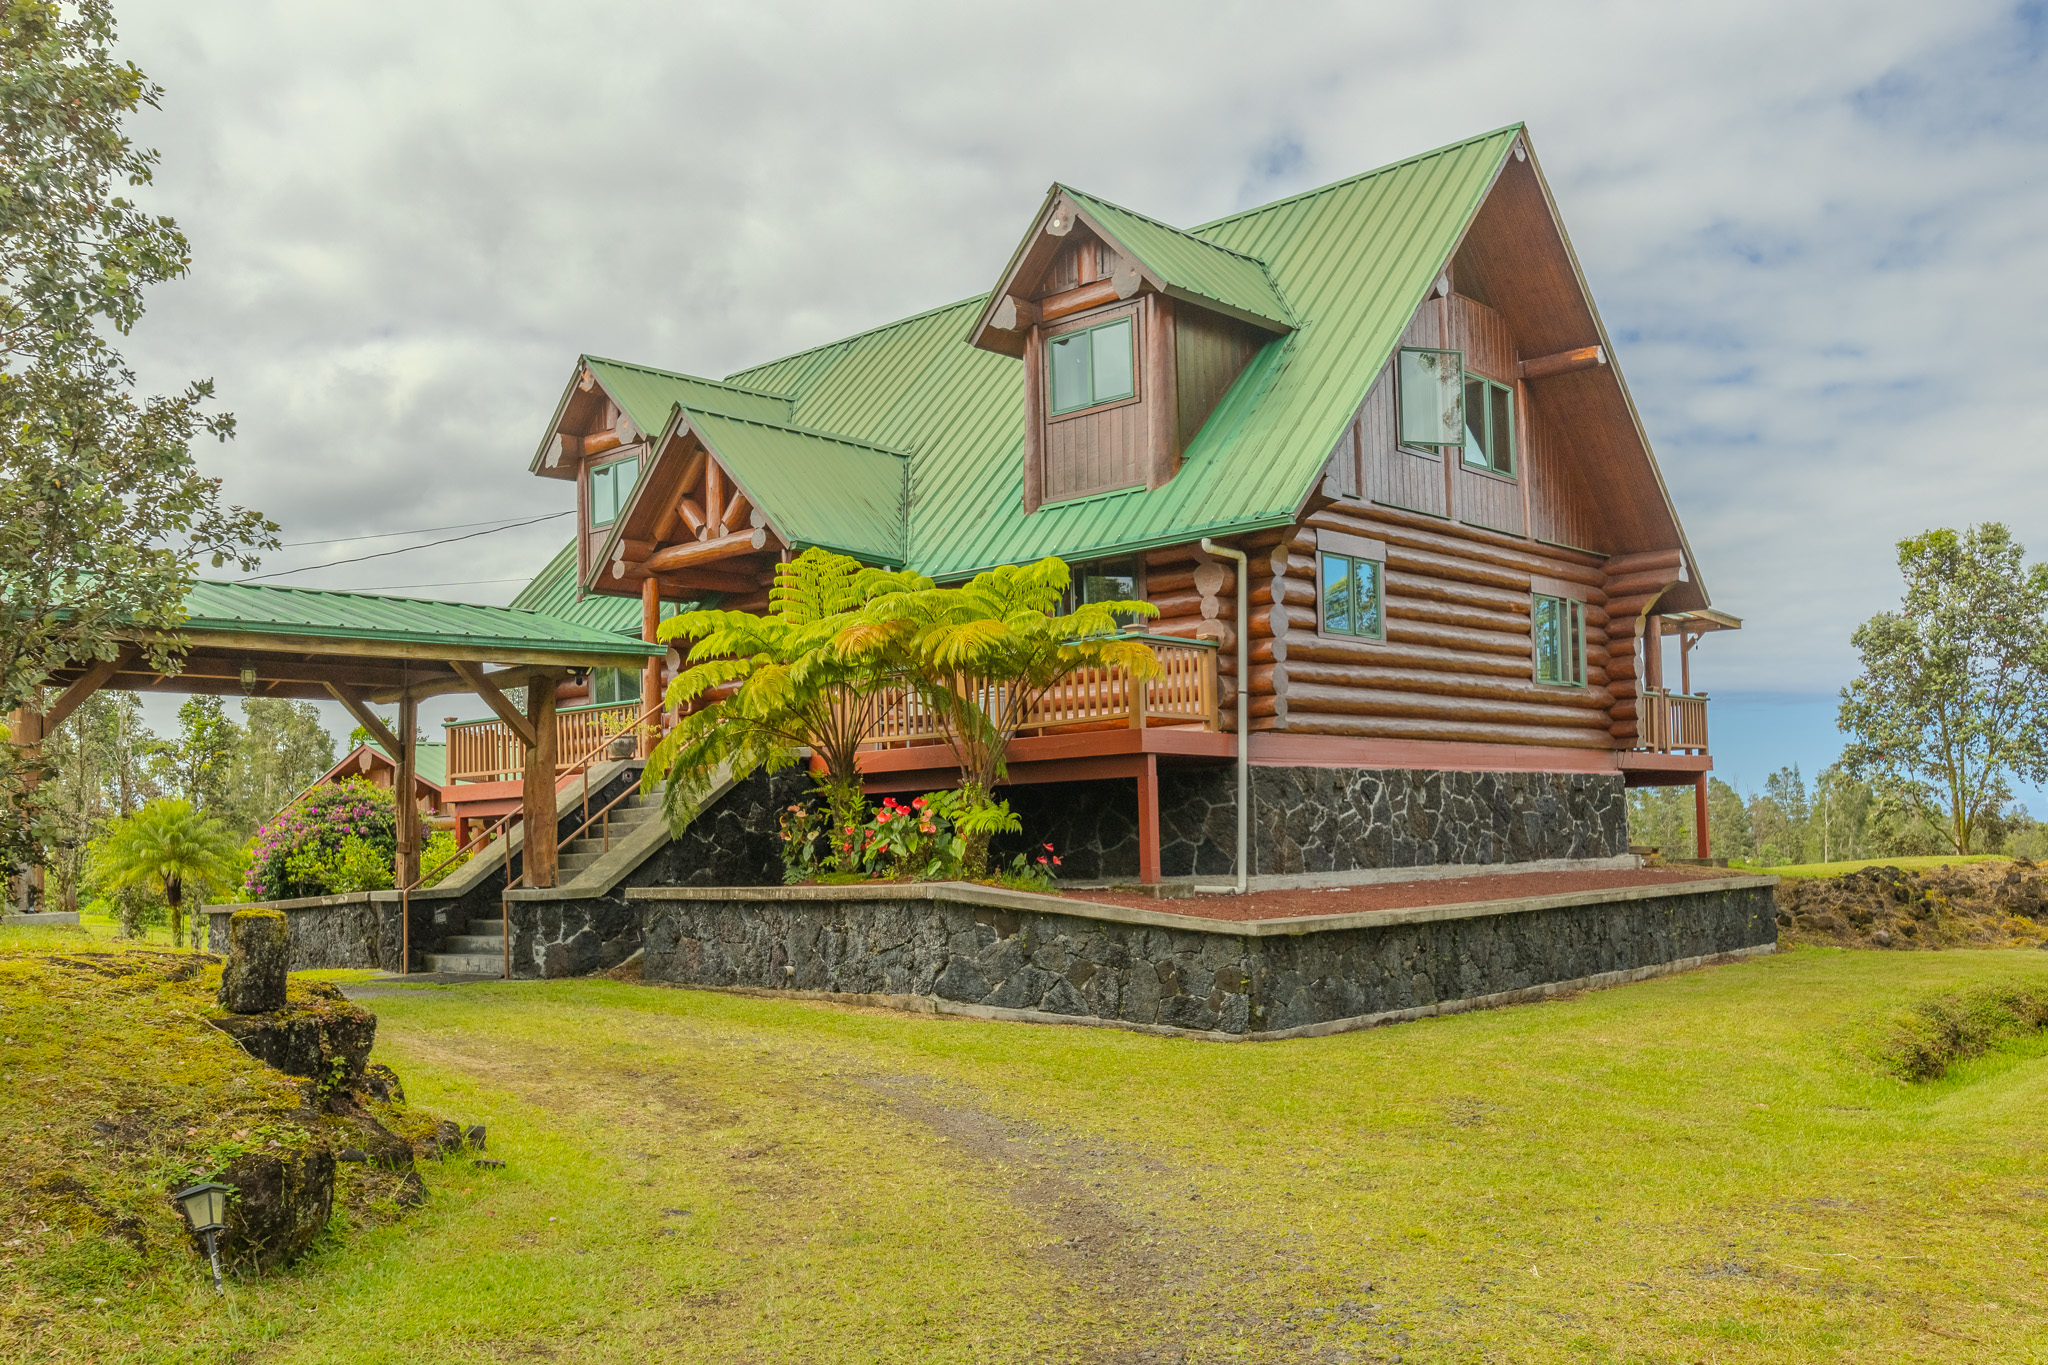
pixel 248 680
pixel 205 1206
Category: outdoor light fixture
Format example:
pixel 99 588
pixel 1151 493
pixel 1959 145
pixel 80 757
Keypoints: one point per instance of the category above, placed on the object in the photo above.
pixel 206 1207
pixel 248 679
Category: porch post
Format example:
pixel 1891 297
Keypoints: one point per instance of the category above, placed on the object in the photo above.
pixel 650 677
pixel 538 789
pixel 1148 820
pixel 403 789
pixel 25 732
pixel 1699 813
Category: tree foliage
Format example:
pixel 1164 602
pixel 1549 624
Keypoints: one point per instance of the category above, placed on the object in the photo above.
pixel 783 684
pixel 104 516
pixel 340 836
pixel 1952 702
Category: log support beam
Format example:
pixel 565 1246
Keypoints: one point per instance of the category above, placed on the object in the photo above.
pixel 352 701
pixel 650 678
pixel 1699 814
pixel 1148 820
pixel 405 788
pixel 537 784
pixel 501 705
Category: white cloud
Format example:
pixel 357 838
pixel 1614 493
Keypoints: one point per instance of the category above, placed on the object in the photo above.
pixel 1813 230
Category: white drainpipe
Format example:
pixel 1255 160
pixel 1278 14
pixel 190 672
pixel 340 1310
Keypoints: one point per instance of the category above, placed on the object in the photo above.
pixel 1244 710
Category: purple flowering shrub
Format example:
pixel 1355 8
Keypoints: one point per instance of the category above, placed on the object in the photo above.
pixel 324 842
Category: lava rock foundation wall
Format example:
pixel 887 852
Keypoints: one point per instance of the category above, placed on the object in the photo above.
pixel 1004 962
pixel 1307 820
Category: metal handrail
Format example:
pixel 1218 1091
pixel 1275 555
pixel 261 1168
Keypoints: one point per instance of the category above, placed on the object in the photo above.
pixel 405 892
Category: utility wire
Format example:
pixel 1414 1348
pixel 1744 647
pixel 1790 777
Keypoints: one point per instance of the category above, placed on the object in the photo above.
pixel 458 583
pixel 405 549
pixel 386 535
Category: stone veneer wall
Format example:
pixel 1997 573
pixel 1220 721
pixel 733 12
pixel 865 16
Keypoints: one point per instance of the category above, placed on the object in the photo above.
pixel 1308 820
pixel 1007 955
pixel 733 844
pixel 326 931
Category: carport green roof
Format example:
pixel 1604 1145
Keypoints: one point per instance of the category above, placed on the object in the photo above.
pixel 1350 263
pixel 311 614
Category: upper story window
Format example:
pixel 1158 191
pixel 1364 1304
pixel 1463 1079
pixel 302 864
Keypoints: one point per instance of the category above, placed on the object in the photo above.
pixel 1430 397
pixel 1558 625
pixel 609 486
pixel 1489 425
pixel 1093 366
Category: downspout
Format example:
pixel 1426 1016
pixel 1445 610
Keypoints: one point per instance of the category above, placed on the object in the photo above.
pixel 1244 709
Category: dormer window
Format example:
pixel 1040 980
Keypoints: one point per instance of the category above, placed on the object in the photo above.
pixel 1091 367
pixel 609 486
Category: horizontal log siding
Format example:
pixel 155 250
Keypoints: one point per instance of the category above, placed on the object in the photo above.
pixel 1456 664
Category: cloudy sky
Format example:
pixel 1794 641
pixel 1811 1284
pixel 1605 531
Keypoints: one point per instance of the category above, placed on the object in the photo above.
pixel 1813 230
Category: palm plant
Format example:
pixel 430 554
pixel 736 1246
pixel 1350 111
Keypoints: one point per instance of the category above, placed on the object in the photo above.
pixel 783 686
pixel 983 655
pixel 167 846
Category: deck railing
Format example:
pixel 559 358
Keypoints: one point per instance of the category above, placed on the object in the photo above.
pixel 488 751
pixel 1672 722
pixel 1184 693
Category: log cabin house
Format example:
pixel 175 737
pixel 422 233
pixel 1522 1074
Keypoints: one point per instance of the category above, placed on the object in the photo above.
pixel 1466 584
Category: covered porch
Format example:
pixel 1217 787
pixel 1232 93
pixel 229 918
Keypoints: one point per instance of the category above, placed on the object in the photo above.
pixel 369 652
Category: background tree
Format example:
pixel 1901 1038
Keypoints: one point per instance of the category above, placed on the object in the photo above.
pixel 1952 704
pixel 104 517
pixel 284 749
pixel 171 847
pixel 97 768
pixel 199 765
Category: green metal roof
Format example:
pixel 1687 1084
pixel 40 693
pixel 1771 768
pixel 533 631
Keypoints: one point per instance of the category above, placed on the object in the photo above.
pixel 1352 260
pixel 650 395
pixel 312 614
pixel 553 593
pixel 1190 266
pixel 817 489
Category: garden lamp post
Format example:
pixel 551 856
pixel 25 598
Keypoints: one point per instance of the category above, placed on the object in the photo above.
pixel 206 1206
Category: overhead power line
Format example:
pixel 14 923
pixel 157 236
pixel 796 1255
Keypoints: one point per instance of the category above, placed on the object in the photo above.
pixel 387 535
pixel 405 549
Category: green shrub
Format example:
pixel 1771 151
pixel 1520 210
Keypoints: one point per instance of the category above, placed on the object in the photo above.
pixel 1922 1041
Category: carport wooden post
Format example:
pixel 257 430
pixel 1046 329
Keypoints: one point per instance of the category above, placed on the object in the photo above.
pixel 25 732
pixel 403 786
pixel 537 791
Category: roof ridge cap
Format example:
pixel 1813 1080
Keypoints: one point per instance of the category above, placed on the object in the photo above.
pixel 818 432
pixel 693 378
pixel 1352 179
pixel 1258 261
pixel 852 337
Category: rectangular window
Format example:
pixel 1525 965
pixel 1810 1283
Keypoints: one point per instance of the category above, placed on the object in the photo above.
pixel 1352 593
pixel 1559 627
pixel 613 686
pixel 1489 425
pixel 1104 580
pixel 609 486
pixel 1091 367
pixel 1430 396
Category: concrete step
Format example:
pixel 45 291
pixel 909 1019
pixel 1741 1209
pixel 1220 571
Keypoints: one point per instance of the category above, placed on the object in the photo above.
pixel 488 928
pixel 492 942
pixel 568 864
pixel 465 964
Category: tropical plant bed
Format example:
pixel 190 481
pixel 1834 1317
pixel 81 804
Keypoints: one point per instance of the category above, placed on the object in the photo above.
pixel 1302 902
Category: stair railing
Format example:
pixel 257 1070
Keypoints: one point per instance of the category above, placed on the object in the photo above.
pixel 405 892
pixel 503 825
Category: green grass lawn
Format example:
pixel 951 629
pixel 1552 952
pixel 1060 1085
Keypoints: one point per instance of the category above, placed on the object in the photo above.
pixel 1689 1169
pixel 1909 864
